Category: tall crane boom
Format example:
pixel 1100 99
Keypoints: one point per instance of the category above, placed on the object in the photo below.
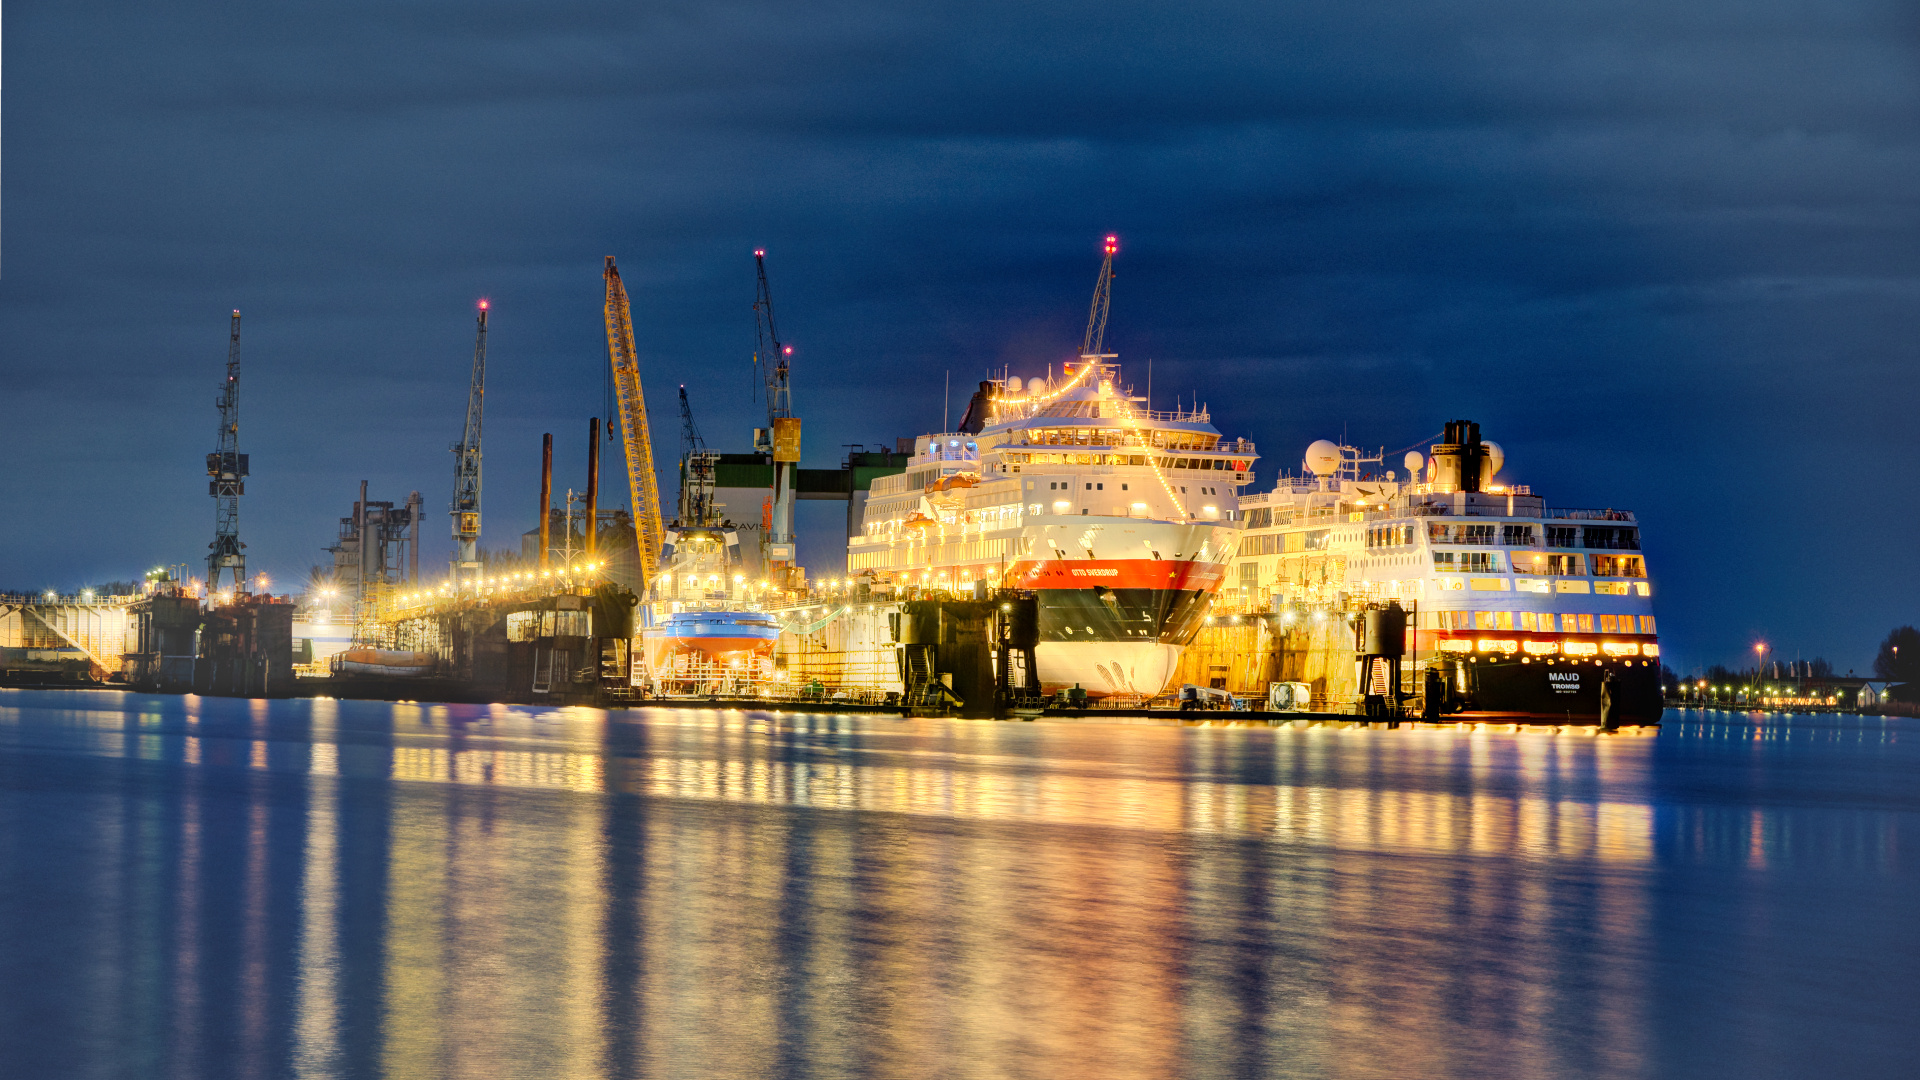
pixel 690 439
pixel 649 528
pixel 783 428
pixel 228 468
pixel 768 354
pixel 466 469
pixel 1096 338
pixel 696 470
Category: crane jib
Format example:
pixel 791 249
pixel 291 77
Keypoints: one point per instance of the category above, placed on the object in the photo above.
pixel 642 487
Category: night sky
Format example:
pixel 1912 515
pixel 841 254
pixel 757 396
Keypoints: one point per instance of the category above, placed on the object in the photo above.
pixel 1667 255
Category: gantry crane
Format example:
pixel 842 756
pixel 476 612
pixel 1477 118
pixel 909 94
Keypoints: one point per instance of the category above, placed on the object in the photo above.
pixel 228 468
pixel 1096 338
pixel 466 469
pixel 649 528
pixel 783 428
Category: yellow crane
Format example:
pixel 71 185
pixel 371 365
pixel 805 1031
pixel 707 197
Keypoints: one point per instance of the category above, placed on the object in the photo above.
pixel 649 528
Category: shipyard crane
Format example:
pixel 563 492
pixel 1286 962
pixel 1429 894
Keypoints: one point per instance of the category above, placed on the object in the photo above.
pixel 466 469
pixel 228 468
pixel 690 439
pixel 783 428
pixel 649 529
pixel 1096 338
pixel 696 470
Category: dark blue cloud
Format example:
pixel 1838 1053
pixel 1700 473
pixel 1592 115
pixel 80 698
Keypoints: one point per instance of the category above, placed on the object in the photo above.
pixel 1667 255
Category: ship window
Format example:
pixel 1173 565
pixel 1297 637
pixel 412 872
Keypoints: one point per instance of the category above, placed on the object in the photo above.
pixel 1628 566
pixel 1100 487
pixel 1646 624
pixel 1563 536
pixel 1516 535
pixel 1483 620
pixel 1551 565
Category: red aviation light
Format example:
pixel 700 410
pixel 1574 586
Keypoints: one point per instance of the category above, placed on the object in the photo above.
pixel 1113 244
pixel 788 349
pixel 483 305
pixel 759 253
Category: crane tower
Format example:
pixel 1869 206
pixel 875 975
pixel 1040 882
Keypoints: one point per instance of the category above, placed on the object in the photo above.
pixel 466 469
pixel 227 467
pixel 649 528
pixel 783 428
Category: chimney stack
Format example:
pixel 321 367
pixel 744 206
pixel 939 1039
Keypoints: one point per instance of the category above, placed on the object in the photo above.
pixel 546 496
pixel 593 487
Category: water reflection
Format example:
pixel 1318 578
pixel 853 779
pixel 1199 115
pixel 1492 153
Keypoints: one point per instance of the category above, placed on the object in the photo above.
pixel 353 889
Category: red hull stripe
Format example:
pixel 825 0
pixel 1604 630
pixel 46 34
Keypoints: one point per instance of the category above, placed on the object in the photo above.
pixel 1178 575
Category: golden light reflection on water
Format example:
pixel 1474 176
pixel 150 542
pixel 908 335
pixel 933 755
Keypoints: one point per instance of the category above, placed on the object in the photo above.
pixel 1343 816
pixel 750 896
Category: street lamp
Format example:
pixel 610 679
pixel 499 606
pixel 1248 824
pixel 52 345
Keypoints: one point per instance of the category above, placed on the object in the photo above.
pixel 1760 661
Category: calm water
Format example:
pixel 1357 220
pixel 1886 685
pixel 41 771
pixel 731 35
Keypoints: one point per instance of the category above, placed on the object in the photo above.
pixel 213 888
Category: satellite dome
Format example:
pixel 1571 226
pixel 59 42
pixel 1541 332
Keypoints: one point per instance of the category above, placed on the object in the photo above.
pixel 1013 384
pixel 1323 458
pixel 1414 462
pixel 1496 457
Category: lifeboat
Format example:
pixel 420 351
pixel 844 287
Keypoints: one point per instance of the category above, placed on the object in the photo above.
pixel 917 523
pixel 957 480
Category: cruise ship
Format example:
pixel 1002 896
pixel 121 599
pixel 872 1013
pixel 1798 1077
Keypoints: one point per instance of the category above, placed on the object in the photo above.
pixel 1515 610
pixel 1120 518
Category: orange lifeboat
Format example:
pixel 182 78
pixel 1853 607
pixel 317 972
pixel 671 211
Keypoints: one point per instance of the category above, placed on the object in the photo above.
pixel 957 480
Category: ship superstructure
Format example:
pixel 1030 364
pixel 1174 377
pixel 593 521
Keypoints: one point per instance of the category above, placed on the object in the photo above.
pixel 1118 517
pixel 1515 609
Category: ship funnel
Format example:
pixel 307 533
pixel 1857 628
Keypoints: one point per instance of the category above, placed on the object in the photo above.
pixel 1461 462
pixel 980 409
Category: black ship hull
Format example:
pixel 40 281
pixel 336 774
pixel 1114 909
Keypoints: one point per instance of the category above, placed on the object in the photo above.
pixel 1551 690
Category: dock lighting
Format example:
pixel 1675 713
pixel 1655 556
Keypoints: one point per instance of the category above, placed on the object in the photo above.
pixel 50 594
pixel 739 579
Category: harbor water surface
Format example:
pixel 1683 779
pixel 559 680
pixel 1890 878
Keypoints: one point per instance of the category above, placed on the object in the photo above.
pixel 199 887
